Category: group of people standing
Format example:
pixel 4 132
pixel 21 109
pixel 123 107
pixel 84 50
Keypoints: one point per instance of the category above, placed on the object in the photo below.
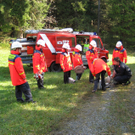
pixel 17 72
pixel 97 66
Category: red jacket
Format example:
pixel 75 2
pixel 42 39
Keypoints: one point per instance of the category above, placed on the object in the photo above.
pixel 65 61
pixel 17 73
pixel 43 63
pixel 98 66
pixel 91 55
pixel 39 63
pixel 76 57
pixel 122 54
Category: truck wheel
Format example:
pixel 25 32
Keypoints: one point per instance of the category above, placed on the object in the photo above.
pixel 104 59
pixel 55 67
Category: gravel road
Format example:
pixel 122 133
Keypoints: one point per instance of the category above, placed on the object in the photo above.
pixel 92 118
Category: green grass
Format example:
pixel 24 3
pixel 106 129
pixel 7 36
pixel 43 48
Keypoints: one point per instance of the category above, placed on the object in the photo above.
pixel 4 42
pixel 123 102
pixel 53 103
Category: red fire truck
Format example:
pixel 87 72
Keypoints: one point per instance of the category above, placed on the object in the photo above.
pixel 54 40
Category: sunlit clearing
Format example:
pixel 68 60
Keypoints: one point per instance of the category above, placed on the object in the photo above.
pixel 39 108
pixel 130 59
pixel 75 94
pixel 6 83
pixel 51 86
pixel 72 105
pixel 127 134
pixel 119 90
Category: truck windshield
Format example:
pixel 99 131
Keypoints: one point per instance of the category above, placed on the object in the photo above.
pixel 83 40
pixel 98 42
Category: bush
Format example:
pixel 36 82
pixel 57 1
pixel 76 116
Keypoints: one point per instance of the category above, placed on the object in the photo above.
pixel 4 42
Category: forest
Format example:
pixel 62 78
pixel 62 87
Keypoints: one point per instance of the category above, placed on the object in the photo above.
pixel 113 20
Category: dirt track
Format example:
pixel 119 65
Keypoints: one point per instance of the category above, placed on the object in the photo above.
pixel 93 117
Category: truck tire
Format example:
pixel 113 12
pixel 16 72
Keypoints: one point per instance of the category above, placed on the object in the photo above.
pixel 55 67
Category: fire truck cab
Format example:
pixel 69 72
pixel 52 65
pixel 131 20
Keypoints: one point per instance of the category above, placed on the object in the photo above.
pixel 84 38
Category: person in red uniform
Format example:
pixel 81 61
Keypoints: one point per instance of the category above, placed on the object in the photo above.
pixel 39 63
pixel 17 74
pixel 120 52
pixel 65 62
pixel 91 54
pixel 77 60
pixel 99 67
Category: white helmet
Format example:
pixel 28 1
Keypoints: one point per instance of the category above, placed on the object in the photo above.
pixel 41 42
pixel 15 45
pixel 66 46
pixel 93 43
pixel 119 44
pixel 79 47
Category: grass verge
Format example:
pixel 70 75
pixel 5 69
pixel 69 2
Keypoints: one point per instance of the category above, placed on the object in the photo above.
pixel 53 103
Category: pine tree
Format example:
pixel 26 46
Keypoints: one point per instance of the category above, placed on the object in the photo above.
pixel 77 14
pixel 122 20
pixel 23 14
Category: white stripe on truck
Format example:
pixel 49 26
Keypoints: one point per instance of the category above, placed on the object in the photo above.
pixel 48 43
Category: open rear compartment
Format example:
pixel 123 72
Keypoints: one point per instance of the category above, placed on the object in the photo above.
pixel 28 47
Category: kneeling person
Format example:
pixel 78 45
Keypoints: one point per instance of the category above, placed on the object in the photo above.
pixel 122 73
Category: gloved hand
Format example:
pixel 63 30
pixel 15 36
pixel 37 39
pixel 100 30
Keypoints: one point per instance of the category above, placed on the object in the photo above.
pixel 36 76
pixel 40 76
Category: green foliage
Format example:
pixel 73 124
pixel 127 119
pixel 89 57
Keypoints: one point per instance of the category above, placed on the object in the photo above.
pixel 53 103
pixel 121 20
pixel 116 17
pixel 5 43
pixel 37 14
pixel 76 14
pixel 23 15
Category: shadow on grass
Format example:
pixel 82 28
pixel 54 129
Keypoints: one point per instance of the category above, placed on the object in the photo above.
pixel 53 103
